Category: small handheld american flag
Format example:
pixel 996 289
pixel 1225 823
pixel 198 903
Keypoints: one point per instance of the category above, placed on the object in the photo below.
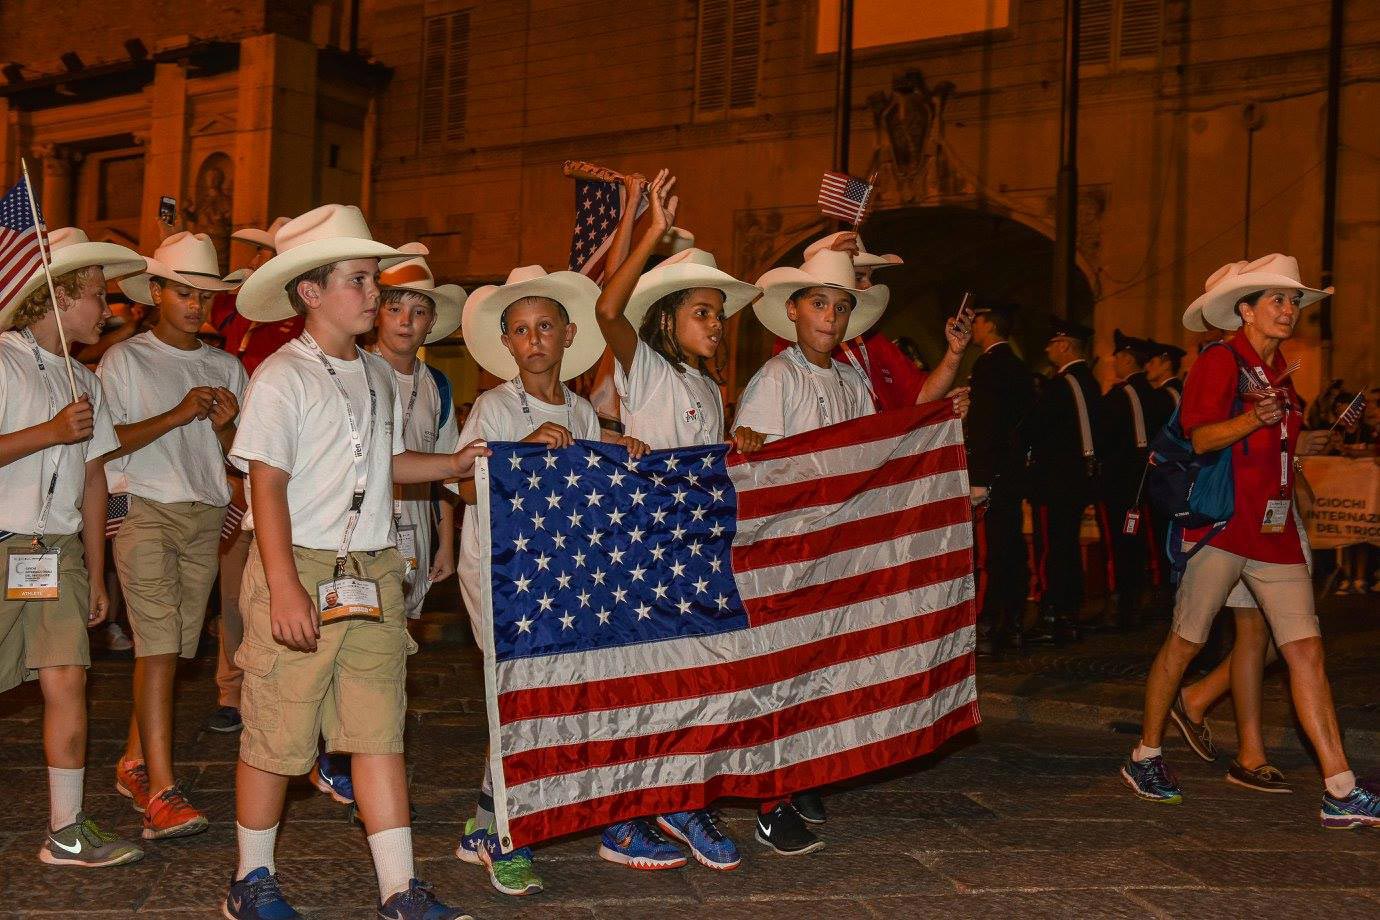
pixel 844 197
pixel 1352 413
pixel 20 255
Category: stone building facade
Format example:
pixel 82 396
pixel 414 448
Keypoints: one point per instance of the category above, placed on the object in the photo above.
pixel 1201 137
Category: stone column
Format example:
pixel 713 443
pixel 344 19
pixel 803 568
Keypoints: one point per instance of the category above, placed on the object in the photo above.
pixel 165 150
pixel 56 163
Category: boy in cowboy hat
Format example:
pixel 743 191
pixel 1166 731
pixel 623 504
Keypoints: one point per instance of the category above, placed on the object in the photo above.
pixel 535 331
pixel 52 520
pixel 413 311
pixel 173 401
pixel 320 440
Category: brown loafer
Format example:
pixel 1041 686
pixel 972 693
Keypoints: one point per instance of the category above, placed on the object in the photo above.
pixel 1197 734
pixel 1264 778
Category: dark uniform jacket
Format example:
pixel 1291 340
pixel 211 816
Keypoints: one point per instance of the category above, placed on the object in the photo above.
pixel 1003 392
pixel 1058 471
pixel 1123 461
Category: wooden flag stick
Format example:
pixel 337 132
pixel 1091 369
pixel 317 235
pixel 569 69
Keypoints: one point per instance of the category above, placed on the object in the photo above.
pixel 579 169
pixel 52 292
pixel 866 202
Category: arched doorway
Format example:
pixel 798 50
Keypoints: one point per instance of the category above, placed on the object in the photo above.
pixel 950 249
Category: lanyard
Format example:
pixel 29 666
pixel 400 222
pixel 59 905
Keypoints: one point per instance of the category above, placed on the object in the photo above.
pixel 42 520
pixel 359 454
pixel 690 394
pixel 799 358
pixel 527 408
pixel 866 372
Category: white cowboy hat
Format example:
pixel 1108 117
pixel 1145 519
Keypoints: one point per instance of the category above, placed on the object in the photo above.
pixel 330 233
pixel 826 268
pixel 183 258
pixel 863 259
pixel 415 275
pixel 261 238
pixel 69 250
pixel 483 315
pixel 1226 286
pixel 687 269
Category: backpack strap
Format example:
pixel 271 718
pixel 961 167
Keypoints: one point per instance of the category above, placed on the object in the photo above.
pixel 447 403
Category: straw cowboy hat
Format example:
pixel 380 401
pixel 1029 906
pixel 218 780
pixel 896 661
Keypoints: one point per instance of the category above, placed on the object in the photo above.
pixel 689 268
pixel 261 238
pixel 415 275
pixel 826 268
pixel 1226 286
pixel 863 259
pixel 183 258
pixel 483 315
pixel 330 233
pixel 69 250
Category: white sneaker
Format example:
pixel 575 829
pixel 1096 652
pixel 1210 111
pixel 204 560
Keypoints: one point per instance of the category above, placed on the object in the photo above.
pixel 115 638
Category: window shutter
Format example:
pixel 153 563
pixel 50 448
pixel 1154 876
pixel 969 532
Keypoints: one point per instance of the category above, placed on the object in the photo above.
pixel 445 78
pixel 746 50
pixel 711 72
pixel 457 76
pixel 433 99
pixel 1095 34
pixel 1140 29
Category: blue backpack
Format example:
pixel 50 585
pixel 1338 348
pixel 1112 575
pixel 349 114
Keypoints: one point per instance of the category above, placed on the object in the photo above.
pixel 1189 489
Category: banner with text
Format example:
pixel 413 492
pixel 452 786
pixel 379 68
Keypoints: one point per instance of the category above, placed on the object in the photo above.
pixel 1346 509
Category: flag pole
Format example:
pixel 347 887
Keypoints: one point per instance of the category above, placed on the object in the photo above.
pixel 52 292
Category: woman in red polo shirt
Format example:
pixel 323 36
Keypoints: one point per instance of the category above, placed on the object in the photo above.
pixel 1237 398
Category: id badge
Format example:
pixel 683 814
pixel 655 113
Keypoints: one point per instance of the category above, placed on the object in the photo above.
pixel 1276 515
pixel 1131 526
pixel 348 598
pixel 31 575
pixel 407 547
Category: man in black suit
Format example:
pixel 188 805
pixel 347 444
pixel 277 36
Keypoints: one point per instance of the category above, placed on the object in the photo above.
pixel 1162 369
pixel 1003 391
pixel 1062 434
pixel 1133 412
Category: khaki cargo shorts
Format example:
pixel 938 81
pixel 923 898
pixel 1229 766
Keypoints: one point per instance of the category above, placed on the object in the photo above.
pixel 167 554
pixel 352 690
pixel 1284 593
pixel 45 634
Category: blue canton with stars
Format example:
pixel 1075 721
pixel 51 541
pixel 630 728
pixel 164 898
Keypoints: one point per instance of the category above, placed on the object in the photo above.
pixel 591 549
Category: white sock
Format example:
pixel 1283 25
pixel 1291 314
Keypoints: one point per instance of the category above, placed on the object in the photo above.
pixel 256 849
pixel 1145 753
pixel 392 851
pixel 65 788
pixel 1340 786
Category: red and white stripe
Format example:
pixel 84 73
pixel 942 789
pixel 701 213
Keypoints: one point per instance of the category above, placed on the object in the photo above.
pixel 20 257
pixel 853 556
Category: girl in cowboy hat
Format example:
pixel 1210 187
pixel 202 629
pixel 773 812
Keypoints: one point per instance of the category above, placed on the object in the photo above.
pixel 174 402
pixel 1238 398
pixel 535 332
pixel 664 329
pixel 52 520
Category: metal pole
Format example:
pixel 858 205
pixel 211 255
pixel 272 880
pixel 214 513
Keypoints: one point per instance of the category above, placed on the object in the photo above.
pixel 1066 196
pixel 843 98
pixel 1331 148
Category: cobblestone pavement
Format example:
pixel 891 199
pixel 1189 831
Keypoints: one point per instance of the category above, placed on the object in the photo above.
pixel 1012 820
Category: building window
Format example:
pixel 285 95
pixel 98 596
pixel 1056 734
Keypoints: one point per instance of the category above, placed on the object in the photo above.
pixel 728 56
pixel 445 78
pixel 1120 34
pixel 878 23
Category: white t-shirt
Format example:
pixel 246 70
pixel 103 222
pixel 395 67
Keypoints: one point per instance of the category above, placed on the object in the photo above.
pixel 145 376
pixel 789 395
pixel 293 419
pixel 668 409
pixel 497 416
pixel 28 398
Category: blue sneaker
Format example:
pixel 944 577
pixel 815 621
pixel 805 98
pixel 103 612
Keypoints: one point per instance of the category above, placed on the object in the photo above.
pixel 1361 808
pixel 471 843
pixel 639 845
pixel 1152 780
pixel 257 897
pixel 697 830
pixel 418 903
pixel 332 776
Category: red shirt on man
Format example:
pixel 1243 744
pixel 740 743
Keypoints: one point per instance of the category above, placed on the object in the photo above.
pixel 1212 387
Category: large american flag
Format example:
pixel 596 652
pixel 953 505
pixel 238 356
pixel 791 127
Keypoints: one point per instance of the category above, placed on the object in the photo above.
pixel 20 255
pixel 598 207
pixel 663 633
pixel 844 197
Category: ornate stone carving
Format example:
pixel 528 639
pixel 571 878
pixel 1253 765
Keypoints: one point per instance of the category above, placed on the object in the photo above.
pixel 912 157
pixel 210 210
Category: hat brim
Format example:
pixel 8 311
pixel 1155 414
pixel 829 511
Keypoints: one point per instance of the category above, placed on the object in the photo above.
pixel 780 283
pixel 684 277
pixel 868 260
pixel 263 297
pixel 1218 306
pixel 114 260
pixel 136 287
pixel 254 237
pixel 449 301
pixel 483 313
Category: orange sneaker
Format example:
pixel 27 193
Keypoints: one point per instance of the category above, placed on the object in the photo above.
pixel 170 815
pixel 132 782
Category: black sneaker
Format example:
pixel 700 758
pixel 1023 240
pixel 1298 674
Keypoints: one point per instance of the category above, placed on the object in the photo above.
pixel 810 806
pixel 225 720
pixel 784 831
